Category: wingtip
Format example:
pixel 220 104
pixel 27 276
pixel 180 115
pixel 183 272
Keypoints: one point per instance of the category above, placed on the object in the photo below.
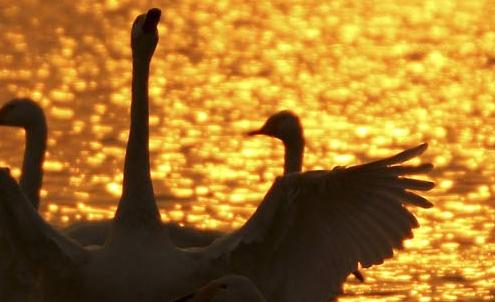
pixel 421 148
pixel 431 185
pixel 359 276
pixel 428 167
pixel 428 205
pixel 424 203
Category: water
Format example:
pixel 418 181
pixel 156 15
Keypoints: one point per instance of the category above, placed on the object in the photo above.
pixel 368 78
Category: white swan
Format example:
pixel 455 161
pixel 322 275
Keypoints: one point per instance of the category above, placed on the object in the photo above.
pixel 309 232
pixel 27 114
pixel 230 288
pixel 286 126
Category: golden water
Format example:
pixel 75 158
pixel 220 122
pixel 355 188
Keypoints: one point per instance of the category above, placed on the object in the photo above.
pixel 368 78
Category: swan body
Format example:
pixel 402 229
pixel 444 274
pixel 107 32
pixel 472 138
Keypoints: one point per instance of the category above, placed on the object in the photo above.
pixel 286 126
pixel 230 288
pixel 316 223
pixel 95 233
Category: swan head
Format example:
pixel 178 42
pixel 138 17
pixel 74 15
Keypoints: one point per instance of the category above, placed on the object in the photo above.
pixel 144 34
pixel 229 288
pixel 23 113
pixel 284 125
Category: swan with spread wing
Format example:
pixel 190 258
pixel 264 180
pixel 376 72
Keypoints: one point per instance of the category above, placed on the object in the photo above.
pixel 286 126
pixel 309 232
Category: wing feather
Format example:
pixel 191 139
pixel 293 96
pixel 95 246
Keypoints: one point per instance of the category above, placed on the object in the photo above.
pixel 401 183
pixel 353 244
pixel 313 229
pixel 372 240
pixel 397 211
pixel 394 228
pixel 404 169
pixel 396 159
pixel 36 241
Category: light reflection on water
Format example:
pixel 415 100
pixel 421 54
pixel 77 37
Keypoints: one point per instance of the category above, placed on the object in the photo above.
pixel 368 78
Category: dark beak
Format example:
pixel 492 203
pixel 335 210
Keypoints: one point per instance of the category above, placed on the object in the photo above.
pixel 151 21
pixel 255 132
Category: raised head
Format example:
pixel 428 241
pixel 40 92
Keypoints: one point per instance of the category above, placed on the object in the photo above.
pixel 137 208
pixel 284 125
pixel 144 34
pixel 23 113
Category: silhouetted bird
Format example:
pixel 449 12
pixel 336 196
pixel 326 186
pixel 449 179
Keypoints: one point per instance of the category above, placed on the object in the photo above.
pixel 316 223
pixel 286 126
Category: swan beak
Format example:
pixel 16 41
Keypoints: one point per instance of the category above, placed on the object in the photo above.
pixel 266 129
pixel 255 132
pixel 151 21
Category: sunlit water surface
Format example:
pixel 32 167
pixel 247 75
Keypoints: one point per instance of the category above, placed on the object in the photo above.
pixel 368 78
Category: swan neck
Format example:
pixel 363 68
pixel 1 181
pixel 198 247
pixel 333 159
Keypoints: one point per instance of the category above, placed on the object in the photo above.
pixel 137 207
pixel 294 152
pixel 32 166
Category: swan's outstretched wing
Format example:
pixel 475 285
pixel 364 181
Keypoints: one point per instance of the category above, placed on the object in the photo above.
pixel 312 229
pixel 32 238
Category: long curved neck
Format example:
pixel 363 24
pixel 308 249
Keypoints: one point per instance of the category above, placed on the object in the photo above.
pixel 137 207
pixel 32 166
pixel 294 152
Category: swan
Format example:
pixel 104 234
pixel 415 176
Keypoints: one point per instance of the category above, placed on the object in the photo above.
pixel 309 232
pixel 28 115
pixel 286 126
pixel 230 288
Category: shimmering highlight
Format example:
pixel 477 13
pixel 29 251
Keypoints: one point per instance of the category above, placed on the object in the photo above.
pixel 368 78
